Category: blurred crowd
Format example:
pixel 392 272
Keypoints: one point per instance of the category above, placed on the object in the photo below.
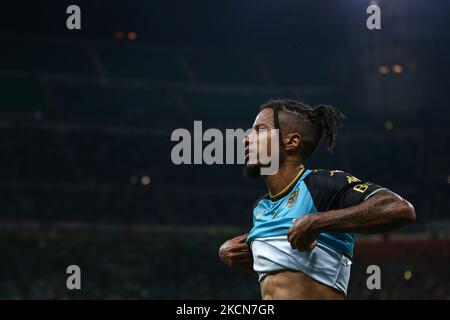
pixel 185 265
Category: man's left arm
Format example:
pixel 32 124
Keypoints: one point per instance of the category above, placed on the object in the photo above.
pixel 382 212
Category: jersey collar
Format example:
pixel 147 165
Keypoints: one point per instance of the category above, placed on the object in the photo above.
pixel 288 188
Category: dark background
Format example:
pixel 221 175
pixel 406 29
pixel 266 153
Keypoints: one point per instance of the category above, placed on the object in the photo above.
pixel 86 117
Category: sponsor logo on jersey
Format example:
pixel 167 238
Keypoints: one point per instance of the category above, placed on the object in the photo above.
pixel 259 215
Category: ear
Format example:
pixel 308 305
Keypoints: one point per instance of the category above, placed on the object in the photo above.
pixel 292 141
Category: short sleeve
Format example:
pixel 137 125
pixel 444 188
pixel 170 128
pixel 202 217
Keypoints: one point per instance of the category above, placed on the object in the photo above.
pixel 335 189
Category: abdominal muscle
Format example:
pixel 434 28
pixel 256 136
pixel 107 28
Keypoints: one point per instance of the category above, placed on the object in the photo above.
pixel 295 285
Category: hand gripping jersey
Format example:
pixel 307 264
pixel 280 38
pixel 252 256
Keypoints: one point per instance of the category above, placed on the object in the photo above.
pixel 311 191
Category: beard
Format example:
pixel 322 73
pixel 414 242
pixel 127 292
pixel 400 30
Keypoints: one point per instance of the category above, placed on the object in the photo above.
pixel 252 171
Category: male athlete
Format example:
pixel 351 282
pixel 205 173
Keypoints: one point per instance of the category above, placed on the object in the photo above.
pixel 301 243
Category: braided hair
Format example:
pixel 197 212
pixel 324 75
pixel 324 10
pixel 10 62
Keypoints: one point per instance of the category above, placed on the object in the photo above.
pixel 313 123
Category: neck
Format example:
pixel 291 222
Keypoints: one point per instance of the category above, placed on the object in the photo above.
pixel 285 175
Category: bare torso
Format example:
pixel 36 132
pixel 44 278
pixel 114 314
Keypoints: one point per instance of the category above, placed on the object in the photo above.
pixel 294 285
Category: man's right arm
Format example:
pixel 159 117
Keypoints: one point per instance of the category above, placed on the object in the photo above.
pixel 236 253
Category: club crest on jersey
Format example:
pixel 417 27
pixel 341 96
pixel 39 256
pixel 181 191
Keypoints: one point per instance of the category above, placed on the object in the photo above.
pixel 292 199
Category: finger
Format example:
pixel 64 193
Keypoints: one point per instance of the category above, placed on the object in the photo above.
pixel 241 238
pixel 313 245
pixel 292 242
pixel 299 219
pixel 235 260
pixel 292 237
pixel 291 230
pixel 289 235
pixel 306 246
pixel 237 256
pixel 239 247
pixel 239 253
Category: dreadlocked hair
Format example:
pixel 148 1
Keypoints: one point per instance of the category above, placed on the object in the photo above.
pixel 313 123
